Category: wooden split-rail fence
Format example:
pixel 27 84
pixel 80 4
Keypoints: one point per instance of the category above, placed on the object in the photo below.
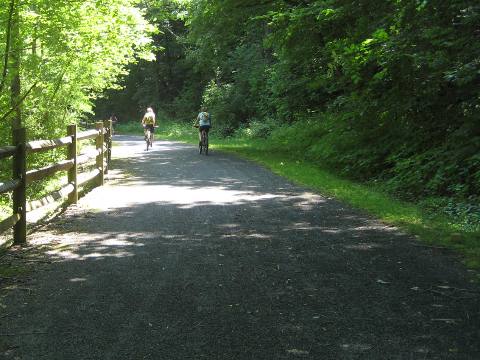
pixel 22 177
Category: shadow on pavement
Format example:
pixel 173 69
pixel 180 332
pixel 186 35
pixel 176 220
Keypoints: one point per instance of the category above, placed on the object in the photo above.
pixel 194 257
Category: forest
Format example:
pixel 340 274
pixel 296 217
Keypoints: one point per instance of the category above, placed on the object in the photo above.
pixel 385 93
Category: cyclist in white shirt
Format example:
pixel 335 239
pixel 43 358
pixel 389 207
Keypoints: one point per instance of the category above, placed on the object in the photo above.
pixel 204 121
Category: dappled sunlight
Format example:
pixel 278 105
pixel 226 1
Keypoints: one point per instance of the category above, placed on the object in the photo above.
pixel 159 198
pixel 72 254
pixel 305 226
pixel 255 236
pixel 229 226
pixel 185 196
pixel 136 144
pixel 376 226
pixel 119 242
pixel 98 255
pixel 363 246
pixel 211 195
pixel 332 231
pixel 258 236
pixel 177 237
pixel 79 246
pixel 307 201
pixel 354 231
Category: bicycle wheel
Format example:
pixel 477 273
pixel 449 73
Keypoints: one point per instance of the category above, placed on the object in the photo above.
pixel 206 144
pixel 148 139
pixel 202 142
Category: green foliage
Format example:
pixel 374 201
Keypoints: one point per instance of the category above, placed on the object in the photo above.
pixel 63 54
pixel 176 130
pixel 73 52
pixel 257 129
pixel 386 92
pixel 129 128
pixel 161 84
pixel 221 100
pixel 463 216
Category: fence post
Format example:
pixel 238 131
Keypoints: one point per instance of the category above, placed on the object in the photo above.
pixel 99 146
pixel 19 194
pixel 72 155
pixel 108 124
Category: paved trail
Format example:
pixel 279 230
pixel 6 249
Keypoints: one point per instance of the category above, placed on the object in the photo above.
pixel 182 256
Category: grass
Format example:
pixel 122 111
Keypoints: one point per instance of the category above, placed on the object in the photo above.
pixel 130 128
pixel 434 229
pixel 169 130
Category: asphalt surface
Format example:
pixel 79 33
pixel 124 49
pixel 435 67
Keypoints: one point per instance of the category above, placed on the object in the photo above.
pixel 183 256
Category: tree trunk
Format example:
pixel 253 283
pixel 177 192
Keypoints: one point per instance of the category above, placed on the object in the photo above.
pixel 15 69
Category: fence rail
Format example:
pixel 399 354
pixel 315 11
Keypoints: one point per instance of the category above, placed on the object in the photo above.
pixel 9 222
pixel 7 151
pixel 22 178
pixel 44 145
pixel 89 134
pixel 9 186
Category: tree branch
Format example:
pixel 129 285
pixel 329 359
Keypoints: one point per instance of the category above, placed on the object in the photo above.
pixel 18 103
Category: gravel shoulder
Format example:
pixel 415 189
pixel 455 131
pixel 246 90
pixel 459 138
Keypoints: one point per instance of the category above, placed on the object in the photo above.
pixel 182 256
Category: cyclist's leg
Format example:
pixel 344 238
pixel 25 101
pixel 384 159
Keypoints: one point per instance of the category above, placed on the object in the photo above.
pixel 207 129
pixel 147 137
pixel 200 141
pixel 152 131
pixel 145 132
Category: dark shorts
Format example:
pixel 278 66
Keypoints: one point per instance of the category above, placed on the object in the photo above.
pixel 150 127
pixel 204 127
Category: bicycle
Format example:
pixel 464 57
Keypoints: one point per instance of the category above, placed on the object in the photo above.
pixel 203 145
pixel 148 136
